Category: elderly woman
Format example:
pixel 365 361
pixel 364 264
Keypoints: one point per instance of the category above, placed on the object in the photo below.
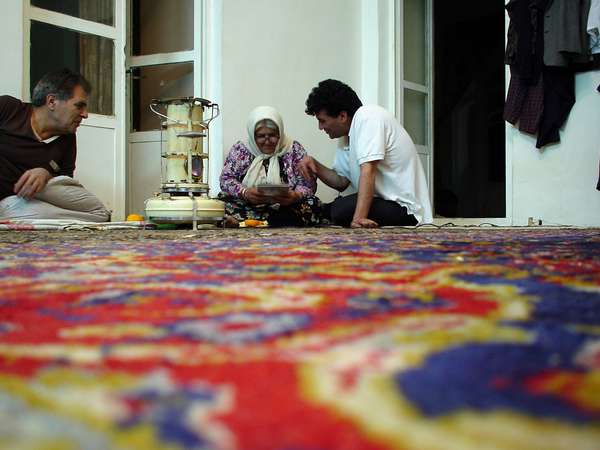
pixel 268 157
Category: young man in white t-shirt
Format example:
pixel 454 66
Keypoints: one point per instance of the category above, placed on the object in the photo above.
pixel 379 162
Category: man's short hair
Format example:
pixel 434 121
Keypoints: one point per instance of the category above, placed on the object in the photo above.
pixel 333 96
pixel 60 83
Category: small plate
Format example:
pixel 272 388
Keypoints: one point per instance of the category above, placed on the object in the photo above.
pixel 272 189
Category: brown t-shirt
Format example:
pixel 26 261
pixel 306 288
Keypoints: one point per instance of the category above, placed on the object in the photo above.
pixel 20 149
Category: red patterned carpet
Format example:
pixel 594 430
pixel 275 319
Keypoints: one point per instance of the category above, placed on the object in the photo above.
pixel 300 339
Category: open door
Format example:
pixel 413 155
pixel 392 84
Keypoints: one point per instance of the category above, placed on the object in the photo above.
pixel 450 98
pixel 87 36
pixel 164 61
pixel 469 130
pixel 414 99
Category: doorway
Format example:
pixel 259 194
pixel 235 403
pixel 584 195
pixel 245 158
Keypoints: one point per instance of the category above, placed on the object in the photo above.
pixel 85 36
pixel 468 127
pixel 164 61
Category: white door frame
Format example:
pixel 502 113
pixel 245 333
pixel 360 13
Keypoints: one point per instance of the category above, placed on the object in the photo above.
pixel 206 58
pixel 426 88
pixel 382 46
pixel 117 35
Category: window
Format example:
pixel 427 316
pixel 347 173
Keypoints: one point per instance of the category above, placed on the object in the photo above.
pixel 100 11
pixel 54 47
pixel 163 81
pixel 84 46
pixel 163 60
pixel 162 26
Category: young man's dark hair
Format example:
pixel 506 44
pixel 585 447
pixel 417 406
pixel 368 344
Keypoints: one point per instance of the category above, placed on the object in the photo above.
pixel 60 83
pixel 333 96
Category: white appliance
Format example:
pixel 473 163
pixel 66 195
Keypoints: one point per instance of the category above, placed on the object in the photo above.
pixel 183 196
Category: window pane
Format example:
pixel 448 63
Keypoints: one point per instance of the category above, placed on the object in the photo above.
pixel 101 11
pixel 415 50
pixel 164 81
pixel 415 116
pixel 162 26
pixel 53 48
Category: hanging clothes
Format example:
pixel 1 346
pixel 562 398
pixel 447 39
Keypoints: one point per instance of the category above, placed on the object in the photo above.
pixel 559 98
pixel 547 40
pixel 524 103
pixel 524 53
pixel 565 47
pixel 566 40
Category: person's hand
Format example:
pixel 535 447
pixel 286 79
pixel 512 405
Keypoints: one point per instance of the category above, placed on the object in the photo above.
pixel 289 198
pixel 363 222
pixel 251 195
pixel 32 182
pixel 308 167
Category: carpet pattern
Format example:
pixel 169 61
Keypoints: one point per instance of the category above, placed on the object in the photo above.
pixel 301 339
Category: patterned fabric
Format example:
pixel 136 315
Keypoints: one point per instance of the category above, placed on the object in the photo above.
pixel 524 104
pixel 308 212
pixel 524 53
pixel 239 159
pixel 307 339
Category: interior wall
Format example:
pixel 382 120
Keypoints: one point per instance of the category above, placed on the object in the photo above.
pixel 275 52
pixel 558 183
pixel 11 50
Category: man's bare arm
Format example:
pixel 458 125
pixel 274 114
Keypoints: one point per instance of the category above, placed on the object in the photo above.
pixel 366 190
pixel 310 168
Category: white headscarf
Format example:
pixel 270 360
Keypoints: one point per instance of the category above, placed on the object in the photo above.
pixel 256 173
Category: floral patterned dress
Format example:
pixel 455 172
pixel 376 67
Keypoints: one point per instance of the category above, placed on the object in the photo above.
pixel 304 213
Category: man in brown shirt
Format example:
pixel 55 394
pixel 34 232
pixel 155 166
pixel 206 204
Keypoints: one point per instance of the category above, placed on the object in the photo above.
pixel 38 152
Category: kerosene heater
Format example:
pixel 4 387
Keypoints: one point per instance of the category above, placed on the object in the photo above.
pixel 183 196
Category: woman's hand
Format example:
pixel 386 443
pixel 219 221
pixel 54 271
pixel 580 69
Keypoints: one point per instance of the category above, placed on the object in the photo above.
pixel 289 198
pixel 252 196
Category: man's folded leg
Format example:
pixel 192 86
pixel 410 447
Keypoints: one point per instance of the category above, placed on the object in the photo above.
pixel 384 212
pixel 67 193
pixel 62 198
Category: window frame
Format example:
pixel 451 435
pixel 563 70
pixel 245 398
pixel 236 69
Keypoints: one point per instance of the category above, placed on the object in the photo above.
pixel 401 84
pixel 195 56
pixel 33 13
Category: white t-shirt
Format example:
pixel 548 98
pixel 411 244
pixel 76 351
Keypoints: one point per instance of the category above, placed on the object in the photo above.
pixel 376 135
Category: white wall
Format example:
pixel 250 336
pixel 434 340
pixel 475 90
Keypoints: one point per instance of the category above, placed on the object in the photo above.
pixel 11 50
pixel 558 183
pixel 275 52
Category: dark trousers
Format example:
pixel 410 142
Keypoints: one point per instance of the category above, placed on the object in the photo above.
pixel 384 212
